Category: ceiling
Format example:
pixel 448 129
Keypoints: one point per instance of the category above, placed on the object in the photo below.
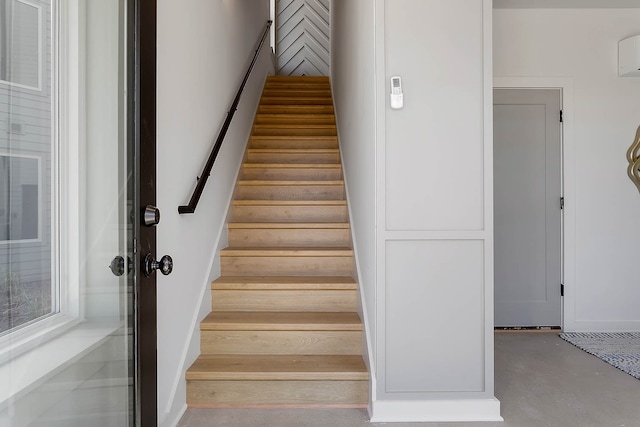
pixel 565 4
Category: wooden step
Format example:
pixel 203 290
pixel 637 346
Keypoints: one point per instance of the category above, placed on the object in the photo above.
pixel 289 190
pixel 294 130
pixel 293 85
pixel 284 283
pixel 292 155
pixel 291 171
pixel 288 119
pixel 296 100
pixel 243 234
pixel 293 141
pixel 300 90
pixel 282 261
pixel 284 293
pixel 210 367
pixel 298 79
pixel 239 380
pixel 284 300
pixel 281 321
pixel 281 333
pixel 295 109
pixel 289 210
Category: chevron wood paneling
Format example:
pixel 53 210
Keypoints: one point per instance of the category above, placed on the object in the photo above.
pixel 302 34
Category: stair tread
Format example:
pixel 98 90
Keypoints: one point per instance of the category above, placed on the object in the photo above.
pixel 291 202
pixel 294 137
pixel 292 165
pixel 287 251
pixel 214 367
pixel 284 283
pixel 280 116
pixel 289 225
pixel 294 150
pixel 298 78
pixel 294 99
pixel 296 126
pixel 293 109
pixel 293 182
pixel 281 321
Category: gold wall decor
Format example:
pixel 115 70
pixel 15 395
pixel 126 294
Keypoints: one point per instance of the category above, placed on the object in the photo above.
pixel 633 156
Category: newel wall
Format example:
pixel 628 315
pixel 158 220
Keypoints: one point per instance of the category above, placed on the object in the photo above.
pixel 420 185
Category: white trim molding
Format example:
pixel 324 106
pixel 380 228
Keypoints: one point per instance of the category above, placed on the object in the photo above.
pixel 458 410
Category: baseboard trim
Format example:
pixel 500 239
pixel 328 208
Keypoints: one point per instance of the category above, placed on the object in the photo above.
pixel 436 410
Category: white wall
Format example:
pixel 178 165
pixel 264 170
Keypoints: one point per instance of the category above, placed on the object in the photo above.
pixel 426 254
pixel 602 251
pixel 204 48
pixel 353 84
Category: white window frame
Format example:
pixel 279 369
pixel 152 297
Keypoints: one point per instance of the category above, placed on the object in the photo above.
pixel 67 228
pixel 41 60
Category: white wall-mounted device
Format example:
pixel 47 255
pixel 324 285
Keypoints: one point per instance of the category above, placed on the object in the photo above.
pixel 629 57
pixel 397 97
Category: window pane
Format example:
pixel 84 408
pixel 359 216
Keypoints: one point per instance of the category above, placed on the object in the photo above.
pixel 20 38
pixel 27 290
pixel 19 183
pixel 24 46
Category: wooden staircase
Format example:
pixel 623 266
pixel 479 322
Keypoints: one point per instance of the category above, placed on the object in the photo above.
pixel 284 329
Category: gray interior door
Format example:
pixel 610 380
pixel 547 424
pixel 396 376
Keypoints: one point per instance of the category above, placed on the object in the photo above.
pixel 302 37
pixel 528 216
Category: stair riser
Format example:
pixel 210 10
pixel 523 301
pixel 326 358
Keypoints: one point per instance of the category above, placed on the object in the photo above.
pixel 295 100
pixel 290 192
pixel 280 86
pixel 313 393
pixel 289 237
pixel 294 300
pixel 277 143
pixel 290 213
pixel 283 130
pixel 302 157
pixel 281 342
pixel 289 174
pixel 297 119
pixel 286 266
pixel 295 109
pixel 270 92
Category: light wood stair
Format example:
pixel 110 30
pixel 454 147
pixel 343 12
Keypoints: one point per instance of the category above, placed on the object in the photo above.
pixel 284 330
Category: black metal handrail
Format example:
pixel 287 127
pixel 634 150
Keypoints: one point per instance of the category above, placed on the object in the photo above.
pixel 202 180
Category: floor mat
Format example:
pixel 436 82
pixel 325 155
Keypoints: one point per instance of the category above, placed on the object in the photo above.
pixel 621 350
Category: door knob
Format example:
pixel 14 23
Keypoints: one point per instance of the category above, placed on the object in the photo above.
pixel 165 265
pixel 119 266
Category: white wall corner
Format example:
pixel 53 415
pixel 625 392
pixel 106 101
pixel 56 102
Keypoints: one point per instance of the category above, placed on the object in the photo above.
pixel 463 410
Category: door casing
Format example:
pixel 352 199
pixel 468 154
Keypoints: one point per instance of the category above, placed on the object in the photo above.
pixel 567 173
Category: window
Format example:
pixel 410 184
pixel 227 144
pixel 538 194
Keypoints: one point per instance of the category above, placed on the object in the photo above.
pixel 20 43
pixel 28 281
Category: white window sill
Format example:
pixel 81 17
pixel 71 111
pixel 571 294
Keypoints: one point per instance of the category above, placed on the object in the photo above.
pixel 31 369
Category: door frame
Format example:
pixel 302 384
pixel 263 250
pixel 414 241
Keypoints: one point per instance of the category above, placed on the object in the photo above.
pixel 146 406
pixel 567 143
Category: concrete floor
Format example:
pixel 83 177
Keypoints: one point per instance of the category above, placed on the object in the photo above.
pixel 541 381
